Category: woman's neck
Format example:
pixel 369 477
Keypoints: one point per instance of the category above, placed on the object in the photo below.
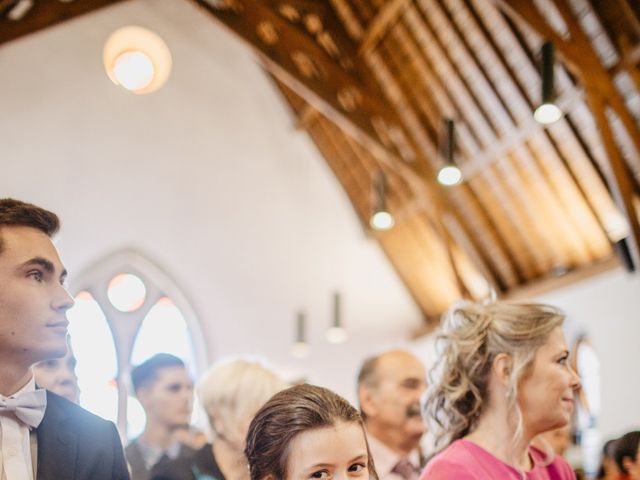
pixel 495 433
pixel 230 460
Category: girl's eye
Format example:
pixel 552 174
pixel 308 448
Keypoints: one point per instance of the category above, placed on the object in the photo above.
pixel 563 360
pixel 320 474
pixel 356 467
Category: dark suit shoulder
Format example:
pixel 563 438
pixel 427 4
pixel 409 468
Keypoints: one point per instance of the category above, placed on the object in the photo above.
pixel 183 468
pixel 75 444
pixel 61 409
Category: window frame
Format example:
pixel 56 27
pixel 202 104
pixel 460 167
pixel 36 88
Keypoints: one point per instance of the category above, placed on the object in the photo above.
pixel 124 326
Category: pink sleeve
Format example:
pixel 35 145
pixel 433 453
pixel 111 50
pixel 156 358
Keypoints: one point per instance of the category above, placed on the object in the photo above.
pixel 563 469
pixel 445 470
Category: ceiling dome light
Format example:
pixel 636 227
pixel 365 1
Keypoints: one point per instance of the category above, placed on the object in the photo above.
pixel 547 113
pixel 133 70
pixel 137 59
pixel 449 175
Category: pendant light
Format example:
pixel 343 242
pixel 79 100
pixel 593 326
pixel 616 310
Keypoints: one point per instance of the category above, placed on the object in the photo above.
pixel 547 112
pixel 449 174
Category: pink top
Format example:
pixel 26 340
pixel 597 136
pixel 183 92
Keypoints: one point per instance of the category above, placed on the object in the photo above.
pixel 464 460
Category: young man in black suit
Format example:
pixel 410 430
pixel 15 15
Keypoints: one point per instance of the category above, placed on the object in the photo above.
pixel 165 391
pixel 43 436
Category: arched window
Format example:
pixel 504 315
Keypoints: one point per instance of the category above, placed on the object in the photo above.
pixel 127 310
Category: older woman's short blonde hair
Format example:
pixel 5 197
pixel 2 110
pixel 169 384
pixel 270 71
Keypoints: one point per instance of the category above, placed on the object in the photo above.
pixel 232 391
pixel 472 336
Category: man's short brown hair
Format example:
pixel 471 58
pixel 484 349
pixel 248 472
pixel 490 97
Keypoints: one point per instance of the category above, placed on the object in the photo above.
pixel 16 213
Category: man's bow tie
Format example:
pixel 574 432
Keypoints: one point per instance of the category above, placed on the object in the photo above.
pixel 27 406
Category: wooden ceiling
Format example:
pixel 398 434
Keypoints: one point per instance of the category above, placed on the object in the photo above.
pixel 371 82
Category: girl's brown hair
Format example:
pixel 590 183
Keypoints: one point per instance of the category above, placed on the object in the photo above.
pixel 287 414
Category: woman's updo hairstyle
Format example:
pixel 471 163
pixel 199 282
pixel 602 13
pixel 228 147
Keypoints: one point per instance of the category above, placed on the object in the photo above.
pixel 472 336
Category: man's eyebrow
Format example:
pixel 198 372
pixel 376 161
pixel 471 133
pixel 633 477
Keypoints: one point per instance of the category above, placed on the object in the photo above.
pixel 47 265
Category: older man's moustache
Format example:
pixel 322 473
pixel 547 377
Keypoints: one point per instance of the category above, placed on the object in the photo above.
pixel 413 410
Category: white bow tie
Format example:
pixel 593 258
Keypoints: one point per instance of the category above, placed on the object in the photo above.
pixel 27 406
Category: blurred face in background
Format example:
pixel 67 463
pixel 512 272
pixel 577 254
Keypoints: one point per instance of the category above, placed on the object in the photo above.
pixel 393 403
pixel 59 376
pixel 168 399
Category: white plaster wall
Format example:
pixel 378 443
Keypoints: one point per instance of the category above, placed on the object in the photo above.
pixel 609 307
pixel 207 177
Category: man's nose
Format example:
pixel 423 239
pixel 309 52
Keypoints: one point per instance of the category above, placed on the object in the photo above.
pixel 63 301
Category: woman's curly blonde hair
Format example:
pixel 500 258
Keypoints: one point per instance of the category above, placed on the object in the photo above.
pixel 472 336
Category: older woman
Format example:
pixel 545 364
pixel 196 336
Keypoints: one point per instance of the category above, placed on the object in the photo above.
pixel 308 432
pixel 503 378
pixel 231 392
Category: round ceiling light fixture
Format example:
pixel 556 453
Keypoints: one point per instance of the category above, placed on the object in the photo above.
pixel 137 59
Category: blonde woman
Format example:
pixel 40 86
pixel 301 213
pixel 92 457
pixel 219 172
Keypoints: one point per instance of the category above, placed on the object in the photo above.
pixel 231 392
pixel 503 378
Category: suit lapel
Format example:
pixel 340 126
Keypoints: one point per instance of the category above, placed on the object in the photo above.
pixel 57 443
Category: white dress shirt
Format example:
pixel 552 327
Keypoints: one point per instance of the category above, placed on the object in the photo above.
pixel 15 444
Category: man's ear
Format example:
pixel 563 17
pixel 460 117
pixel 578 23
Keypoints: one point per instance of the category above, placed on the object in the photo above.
pixel 501 367
pixel 144 396
pixel 628 464
pixel 367 400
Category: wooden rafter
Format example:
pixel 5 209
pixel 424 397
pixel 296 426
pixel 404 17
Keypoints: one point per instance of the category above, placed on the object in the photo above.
pixel 334 69
pixel 386 17
pixel 45 13
pixel 621 186
pixel 329 78
pixel 581 58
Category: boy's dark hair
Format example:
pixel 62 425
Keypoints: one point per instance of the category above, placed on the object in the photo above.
pixel 626 447
pixel 16 213
pixel 146 373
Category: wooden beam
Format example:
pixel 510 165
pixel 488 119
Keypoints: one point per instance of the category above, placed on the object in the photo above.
pixel 578 54
pixel 554 282
pixel 307 117
pixel 581 58
pixel 386 17
pixel 326 73
pixel 619 177
pixel 327 67
pixel 334 74
pixel 5 4
pixel 520 134
pixel 630 58
pixel 45 13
